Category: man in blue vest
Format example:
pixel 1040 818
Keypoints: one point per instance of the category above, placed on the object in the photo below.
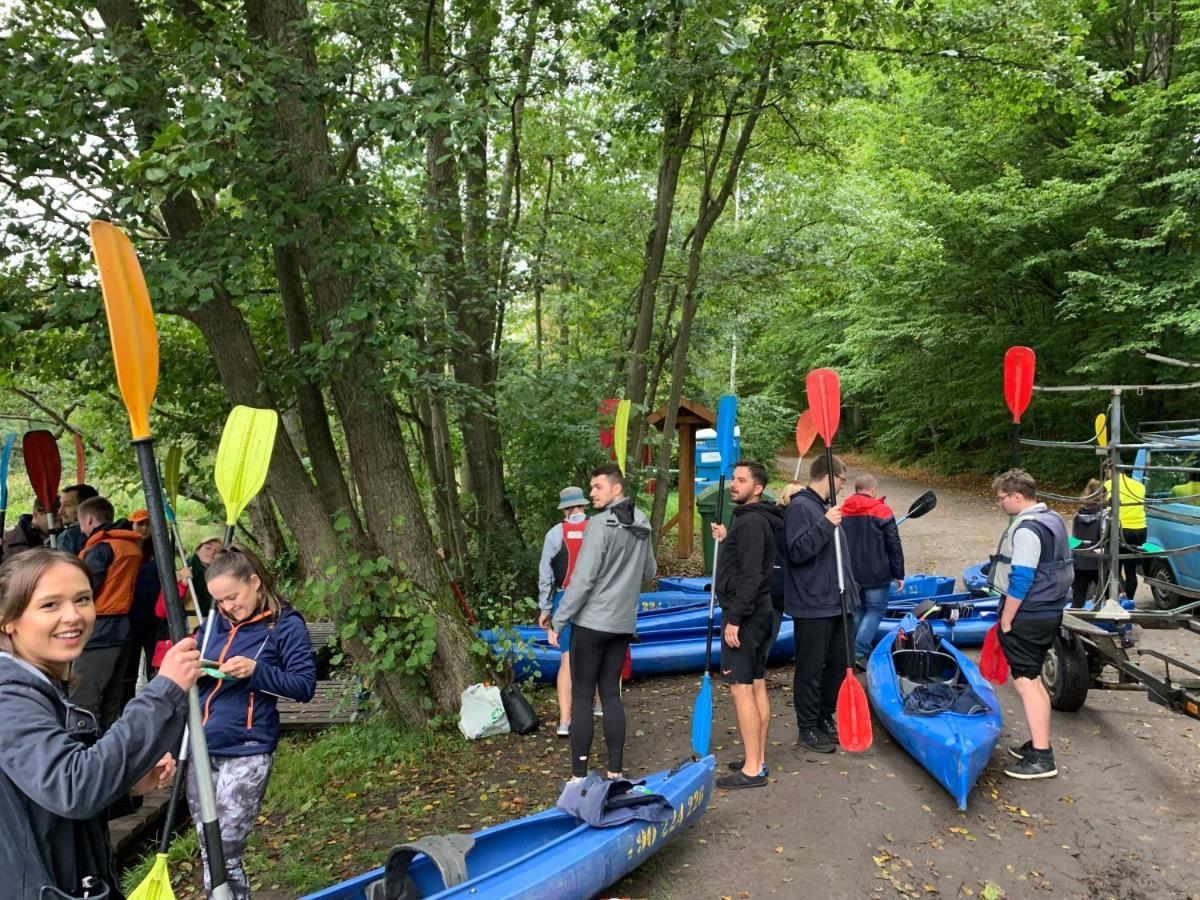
pixel 1033 571
pixel 560 549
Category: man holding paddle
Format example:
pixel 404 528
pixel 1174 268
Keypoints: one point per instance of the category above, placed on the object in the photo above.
pixel 743 590
pixel 813 600
pixel 1033 570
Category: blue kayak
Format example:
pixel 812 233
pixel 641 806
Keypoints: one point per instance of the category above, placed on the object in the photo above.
pixel 551 854
pixel 954 747
pixel 674 652
pixel 975 578
pixel 915 586
pixel 963 620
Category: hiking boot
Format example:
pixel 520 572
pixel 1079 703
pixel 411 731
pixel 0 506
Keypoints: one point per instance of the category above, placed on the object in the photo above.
pixel 816 740
pixel 740 779
pixel 1038 764
pixel 738 764
pixel 564 729
pixel 1020 751
pixel 828 726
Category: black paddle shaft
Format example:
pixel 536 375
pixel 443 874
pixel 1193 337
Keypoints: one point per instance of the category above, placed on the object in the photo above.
pixel 837 550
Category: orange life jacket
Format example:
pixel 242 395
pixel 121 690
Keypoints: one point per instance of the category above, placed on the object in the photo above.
pixel 115 595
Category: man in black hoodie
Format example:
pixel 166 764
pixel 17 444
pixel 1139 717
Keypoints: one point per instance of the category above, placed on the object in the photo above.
pixel 742 584
pixel 811 598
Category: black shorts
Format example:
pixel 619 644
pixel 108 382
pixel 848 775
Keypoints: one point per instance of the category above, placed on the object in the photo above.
pixel 1026 644
pixel 748 663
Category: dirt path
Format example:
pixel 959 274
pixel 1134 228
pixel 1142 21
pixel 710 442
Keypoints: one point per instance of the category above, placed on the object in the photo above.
pixel 1119 821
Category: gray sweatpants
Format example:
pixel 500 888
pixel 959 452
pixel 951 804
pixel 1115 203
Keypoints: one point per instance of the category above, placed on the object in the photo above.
pixel 240 783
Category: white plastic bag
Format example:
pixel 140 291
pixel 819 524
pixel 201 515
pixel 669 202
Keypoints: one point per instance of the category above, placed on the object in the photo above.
pixel 482 713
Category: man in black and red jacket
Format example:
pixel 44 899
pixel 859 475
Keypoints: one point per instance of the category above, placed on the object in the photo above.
pixel 743 574
pixel 876 558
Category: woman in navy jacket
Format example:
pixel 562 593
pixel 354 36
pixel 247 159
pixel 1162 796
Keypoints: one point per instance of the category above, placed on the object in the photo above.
pixel 263 649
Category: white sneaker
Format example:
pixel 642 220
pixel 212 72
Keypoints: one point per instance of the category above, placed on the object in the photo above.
pixel 598 711
pixel 564 729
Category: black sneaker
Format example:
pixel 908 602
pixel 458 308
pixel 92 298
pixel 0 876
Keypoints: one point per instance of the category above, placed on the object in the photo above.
pixel 738 764
pixel 828 726
pixel 816 740
pixel 1038 764
pixel 740 779
pixel 1020 751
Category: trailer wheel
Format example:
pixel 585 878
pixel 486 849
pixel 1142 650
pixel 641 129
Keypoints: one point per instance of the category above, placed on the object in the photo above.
pixel 1160 569
pixel 1065 673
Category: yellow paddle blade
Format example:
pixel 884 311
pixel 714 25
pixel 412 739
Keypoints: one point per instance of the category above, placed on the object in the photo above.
pixel 130 322
pixel 156 885
pixel 244 457
pixel 621 432
pixel 1102 430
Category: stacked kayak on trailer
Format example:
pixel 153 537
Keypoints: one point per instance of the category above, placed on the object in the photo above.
pixel 916 587
pixel 935 703
pixel 962 619
pixel 547 855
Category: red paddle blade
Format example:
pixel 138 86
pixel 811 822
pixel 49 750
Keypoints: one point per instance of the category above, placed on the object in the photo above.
pixel 806 432
pixel 824 392
pixel 993 665
pixel 80 469
pixel 44 465
pixel 1019 365
pixel 853 715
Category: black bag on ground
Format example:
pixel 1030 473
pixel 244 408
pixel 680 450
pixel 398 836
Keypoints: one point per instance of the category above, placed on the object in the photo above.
pixel 521 717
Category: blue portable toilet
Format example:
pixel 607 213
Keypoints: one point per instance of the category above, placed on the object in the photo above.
pixel 708 457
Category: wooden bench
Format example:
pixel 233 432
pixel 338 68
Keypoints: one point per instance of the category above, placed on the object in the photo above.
pixel 335 702
pixel 127 831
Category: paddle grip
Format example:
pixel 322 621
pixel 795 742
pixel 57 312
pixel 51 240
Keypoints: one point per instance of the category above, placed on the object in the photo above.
pixel 228 539
pixel 1015 437
pixel 50 528
pixel 712 588
pixel 837 549
pixel 160 537
pixel 164 841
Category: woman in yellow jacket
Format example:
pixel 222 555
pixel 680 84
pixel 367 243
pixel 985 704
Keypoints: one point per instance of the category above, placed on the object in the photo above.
pixel 1133 524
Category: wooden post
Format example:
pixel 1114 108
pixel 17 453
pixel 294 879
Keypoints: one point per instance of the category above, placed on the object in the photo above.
pixel 687 490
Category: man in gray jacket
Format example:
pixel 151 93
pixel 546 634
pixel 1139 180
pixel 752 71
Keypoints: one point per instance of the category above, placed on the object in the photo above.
pixel 601 603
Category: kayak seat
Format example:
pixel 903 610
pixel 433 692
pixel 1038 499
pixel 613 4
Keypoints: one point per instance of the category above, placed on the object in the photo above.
pixel 916 667
pixel 447 851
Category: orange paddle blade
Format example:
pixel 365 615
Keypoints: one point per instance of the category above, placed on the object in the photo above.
pixel 806 432
pixel 824 392
pixel 1019 365
pixel 130 322
pixel 993 664
pixel 853 715
pixel 44 465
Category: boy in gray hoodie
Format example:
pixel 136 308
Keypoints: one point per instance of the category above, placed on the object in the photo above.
pixel 601 603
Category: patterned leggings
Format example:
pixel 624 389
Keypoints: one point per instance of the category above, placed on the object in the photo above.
pixel 240 783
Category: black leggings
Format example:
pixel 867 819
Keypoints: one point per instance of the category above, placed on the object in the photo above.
pixel 1084 580
pixel 1131 539
pixel 596 661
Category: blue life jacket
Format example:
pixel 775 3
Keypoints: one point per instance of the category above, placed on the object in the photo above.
pixel 602 803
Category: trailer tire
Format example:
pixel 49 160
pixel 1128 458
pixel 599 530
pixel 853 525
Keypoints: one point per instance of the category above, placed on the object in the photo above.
pixel 1065 672
pixel 1160 570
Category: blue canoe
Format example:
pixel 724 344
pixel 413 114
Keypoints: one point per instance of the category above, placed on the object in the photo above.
pixel 674 652
pixel 551 854
pixel 915 586
pixel 953 747
pixel 975 578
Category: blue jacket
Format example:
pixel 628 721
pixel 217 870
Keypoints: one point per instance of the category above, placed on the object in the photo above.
pixel 811 582
pixel 240 717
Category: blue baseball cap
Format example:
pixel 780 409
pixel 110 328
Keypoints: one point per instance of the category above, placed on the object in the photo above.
pixel 571 496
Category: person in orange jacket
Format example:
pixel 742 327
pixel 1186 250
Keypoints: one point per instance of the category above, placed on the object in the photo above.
pixel 113 555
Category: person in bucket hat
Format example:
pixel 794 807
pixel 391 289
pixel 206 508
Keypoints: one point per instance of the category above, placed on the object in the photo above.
pixel 560 549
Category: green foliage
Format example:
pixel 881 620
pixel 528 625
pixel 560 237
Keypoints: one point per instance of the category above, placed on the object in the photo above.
pixel 378 609
pixel 768 428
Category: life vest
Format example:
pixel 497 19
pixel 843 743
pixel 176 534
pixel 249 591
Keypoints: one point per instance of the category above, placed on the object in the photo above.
pixel 563 564
pixel 1055 568
pixel 115 595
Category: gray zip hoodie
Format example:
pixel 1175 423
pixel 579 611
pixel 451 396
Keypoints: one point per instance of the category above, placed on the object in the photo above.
pixel 616 557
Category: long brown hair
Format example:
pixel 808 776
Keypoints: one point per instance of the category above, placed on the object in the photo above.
pixel 239 562
pixel 19 577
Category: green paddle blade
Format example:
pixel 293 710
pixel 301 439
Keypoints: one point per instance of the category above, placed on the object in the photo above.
pixel 170 477
pixel 621 432
pixel 244 457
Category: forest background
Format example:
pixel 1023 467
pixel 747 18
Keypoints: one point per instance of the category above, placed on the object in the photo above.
pixel 435 235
